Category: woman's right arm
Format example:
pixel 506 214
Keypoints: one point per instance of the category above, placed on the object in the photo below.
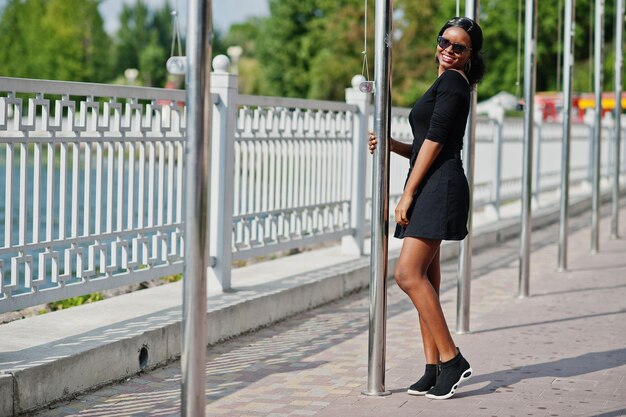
pixel 400 148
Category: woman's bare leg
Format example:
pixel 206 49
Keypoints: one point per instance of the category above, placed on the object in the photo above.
pixel 412 277
pixel 434 276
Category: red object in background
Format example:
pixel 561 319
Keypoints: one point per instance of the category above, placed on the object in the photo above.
pixel 171 84
pixel 551 105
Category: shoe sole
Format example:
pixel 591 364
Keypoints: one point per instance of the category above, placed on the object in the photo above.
pixel 413 392
pixel 466 375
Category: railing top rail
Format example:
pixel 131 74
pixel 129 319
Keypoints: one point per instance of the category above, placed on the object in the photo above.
pixel 266 101
pixel 27 85
pixel 400 111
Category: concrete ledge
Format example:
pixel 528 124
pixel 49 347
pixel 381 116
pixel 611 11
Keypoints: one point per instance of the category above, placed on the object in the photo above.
pixel 6 395
pixel 52 357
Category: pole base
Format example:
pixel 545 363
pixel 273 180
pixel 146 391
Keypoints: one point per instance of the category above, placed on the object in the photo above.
pixel 376 393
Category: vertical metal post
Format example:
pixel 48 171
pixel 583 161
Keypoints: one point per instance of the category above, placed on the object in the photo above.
pixel 568 65
pixel 496 186
pixel 464 280
pixel 617 136
pixel 354 244
pixel 608 128
pixel 589 124
pixel 537 164
pixel 597 132
pixel 197 170
pixel 380 200
pixel 530 69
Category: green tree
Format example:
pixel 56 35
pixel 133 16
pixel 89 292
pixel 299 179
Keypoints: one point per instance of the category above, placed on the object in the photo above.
pixel 313 48
pixel 338 52
pixel 143 41
pixel 291 38
pixel 152 64
pixel 244 35
pixel 132 36
pixel 77 47
pixel 416 25
pixel 16 56
pixel 69 42
pixel 499 20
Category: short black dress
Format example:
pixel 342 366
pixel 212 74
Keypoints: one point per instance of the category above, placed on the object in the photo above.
pixel 441 202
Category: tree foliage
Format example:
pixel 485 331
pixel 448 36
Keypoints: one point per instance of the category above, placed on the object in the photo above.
pixel 304 48
pixel 313 48
pixel 143 41
pixel 290 40
pixel 54 39
pixel 416 25
pixel 499 19
pixel 65 40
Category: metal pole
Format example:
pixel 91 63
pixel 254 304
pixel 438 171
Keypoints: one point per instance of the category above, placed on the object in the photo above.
pixel 558 45
pixel 568 65
pixel 380 201
pixel 464 280
pixel 537 142
pixel 617 136
pixel 498 165
pixel 497 121
pixel 530 69
pixel 197 170
pixel 597 133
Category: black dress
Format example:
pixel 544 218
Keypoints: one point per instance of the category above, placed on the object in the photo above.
pixel 441 202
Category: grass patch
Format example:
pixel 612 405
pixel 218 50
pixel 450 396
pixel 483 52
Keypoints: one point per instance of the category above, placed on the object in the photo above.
pixel 74 301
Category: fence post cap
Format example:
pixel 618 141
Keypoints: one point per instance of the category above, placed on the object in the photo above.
pixel 357 80
pixel 221 63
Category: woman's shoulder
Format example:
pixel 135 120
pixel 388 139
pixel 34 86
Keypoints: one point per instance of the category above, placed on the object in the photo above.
pixel 454 78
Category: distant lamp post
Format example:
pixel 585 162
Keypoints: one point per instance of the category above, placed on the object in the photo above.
pixel 176 65
pixel 234 52
pixel 131 75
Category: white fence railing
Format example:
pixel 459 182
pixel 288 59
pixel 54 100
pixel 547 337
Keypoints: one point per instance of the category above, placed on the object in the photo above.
pixel 91 180
pixel 91 188
pixel 292 173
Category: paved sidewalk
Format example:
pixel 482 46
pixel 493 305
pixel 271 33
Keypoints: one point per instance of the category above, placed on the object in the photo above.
pixel 560 352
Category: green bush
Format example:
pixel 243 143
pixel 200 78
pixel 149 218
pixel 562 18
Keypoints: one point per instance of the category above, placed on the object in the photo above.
pixel 75 301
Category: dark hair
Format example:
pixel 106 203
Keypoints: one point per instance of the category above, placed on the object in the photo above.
pixel 476 64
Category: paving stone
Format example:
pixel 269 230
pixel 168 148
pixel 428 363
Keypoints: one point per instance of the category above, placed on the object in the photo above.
pixel 559 352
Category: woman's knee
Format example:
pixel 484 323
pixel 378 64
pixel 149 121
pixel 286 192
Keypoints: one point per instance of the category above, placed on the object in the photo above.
pixel 405 278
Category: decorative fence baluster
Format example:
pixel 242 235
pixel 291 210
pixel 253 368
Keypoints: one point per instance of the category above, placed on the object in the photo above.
pixel 73 188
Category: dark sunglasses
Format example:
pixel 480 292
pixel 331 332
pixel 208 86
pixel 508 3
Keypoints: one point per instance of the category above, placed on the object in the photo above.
pixel 457 48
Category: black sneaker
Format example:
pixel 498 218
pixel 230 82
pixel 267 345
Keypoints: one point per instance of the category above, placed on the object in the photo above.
pixel 453 372
pixel 426 382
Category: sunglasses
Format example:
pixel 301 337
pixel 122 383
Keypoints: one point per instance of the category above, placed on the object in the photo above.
pixel 457 48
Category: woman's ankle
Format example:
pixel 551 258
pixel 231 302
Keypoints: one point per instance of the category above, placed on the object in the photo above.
pixel 450 355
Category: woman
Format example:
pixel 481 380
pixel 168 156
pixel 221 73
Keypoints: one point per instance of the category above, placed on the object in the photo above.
pixel 435 202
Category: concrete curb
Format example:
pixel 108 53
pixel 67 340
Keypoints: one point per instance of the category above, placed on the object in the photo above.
pixel 6 395
pixel 148 341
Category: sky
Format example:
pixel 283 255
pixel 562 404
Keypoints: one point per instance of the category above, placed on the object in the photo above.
pixel 225 12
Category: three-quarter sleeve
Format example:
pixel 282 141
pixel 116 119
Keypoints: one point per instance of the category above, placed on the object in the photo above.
pixel 452 101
